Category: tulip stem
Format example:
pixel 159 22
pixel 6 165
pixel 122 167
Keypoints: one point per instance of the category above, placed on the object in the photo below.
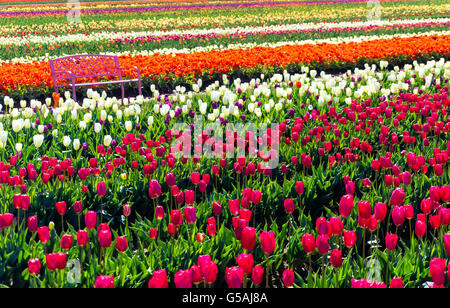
pixel 62 223
pixel 323 270
pixel 364 243
pixel 267 272
pixel 387 267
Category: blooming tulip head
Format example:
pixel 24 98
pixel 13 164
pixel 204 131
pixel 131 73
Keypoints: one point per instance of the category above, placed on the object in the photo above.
pixel 101 189
pixel 61 207
pixel 245 261
pixel 34 266
pixel 289 206
pixel 234 276
pixel 104 238
pixel 391 241
pixel 288 278
pixel 349 238
pixel 308 243
pixel 248 238
pixel 396 283
pixel 397 197
pixel 121 243
pixel 183 279
pixel 190 214
pixel 104 282
pixel 90 219
pixel 257 275
pixel 268 242
pixel 159 280
pixel 346 205
pixel 336 258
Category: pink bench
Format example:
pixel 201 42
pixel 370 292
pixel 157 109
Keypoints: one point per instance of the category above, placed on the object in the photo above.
pixel 65 72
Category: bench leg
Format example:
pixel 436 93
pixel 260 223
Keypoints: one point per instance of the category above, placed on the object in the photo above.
pixel 140 87
pixel 74 93
pixel 123 92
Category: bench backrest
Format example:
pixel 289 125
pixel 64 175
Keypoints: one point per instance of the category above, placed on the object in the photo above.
pixel 84 66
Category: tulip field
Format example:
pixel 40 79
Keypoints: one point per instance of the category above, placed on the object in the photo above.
pixel 277 144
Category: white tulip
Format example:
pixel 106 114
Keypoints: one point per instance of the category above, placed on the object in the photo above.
pixel 55 133
pixel 19 147
pixel 128 126
pixel 17 125
pixel 66 141
pixel 97 128
pixel 107 140
pixel 76 144
pixel 38 140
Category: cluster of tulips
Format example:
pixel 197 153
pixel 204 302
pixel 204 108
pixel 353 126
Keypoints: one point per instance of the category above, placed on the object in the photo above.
pixel 359 197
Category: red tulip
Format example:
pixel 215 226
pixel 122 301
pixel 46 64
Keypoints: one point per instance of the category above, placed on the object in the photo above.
pixel 183 279
pixel 121 243
pixel 154 190
pixel 409 211
pixel 397 197
pixel 446 238
pixel 289 206
pixel 82 238
pixel 101 189
pixel 126 210
pixel 195 178
pixel 322 244
pixel 210 272
pixel 426 206
pixel 104 238
pixel 51 261
pixel 245 261
pixel 176 217
pixel 371 223
pixel 245 214
pixel 365 209
pixel 189 197
pixel 346 205
pixel 268 242
pixel 90 219
pixel 396 283
pixel 234 206
pixel 43 234
pixel 61 260
pixel 257 275
pixel 288 278
pixel 34 266
pixel 66 241
pixel 350 188
pixel 300 187
pixel 308 243
pixel 153 233
pixel 445 193
pixel 61 207
pixel 159 212
pixel 159 280
pixel 234 277
pixel 248 238
pixel 190 214
pixel 217 208
pixel 435 221
pixel 336 258
pixel 398 215
pixel 32 223
pixel 196 272
pixel 435 193
pixel 336 225
pixel 420 229
pixel 380 211
pixel 170 179
pixel 256 197
pixel 104 282
pixel 437 269
pixel 322 225
pixel 391 241
pixel 349 238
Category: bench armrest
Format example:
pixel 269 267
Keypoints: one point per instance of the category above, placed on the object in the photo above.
pixel 132 67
